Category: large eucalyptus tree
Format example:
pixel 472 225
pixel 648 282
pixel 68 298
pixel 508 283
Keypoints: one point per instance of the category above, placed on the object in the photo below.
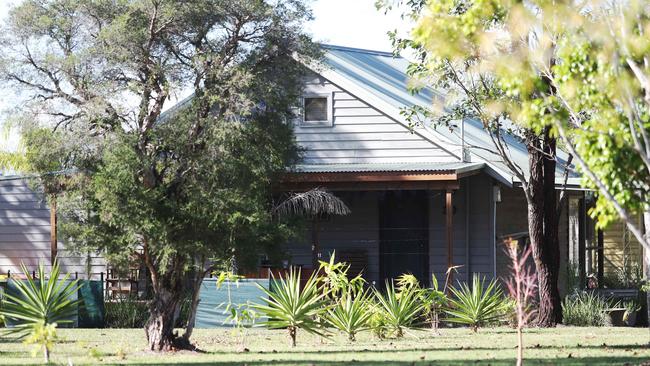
pixel 180 191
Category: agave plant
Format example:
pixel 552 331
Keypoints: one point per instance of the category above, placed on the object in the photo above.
pixel 287 306
pixel 476 306
pixel 400 309
pixel 40 306
pixel 351 314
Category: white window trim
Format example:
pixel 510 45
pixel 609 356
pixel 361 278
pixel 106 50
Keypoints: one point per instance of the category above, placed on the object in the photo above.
pixel 330 110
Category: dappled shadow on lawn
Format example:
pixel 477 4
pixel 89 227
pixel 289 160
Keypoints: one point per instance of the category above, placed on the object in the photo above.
pixel 386 349
pixel 606 360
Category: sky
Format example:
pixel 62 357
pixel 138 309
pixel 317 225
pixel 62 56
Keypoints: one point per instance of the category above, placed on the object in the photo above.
pixel 351 23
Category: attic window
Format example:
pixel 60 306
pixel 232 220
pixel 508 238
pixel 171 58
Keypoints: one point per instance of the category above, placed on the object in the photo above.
pixel 317 110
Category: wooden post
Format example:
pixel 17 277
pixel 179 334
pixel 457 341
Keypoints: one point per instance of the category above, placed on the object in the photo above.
pixel 449 229
pixel 601 257
pixel 53 230
pixel 315 247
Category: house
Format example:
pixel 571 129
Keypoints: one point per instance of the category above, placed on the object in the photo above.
pixel 423 199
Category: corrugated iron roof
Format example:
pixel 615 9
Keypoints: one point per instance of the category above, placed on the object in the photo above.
pixel 456 167
pixel 384 76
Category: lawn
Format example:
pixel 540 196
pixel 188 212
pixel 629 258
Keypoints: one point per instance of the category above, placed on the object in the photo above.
pixel 560 346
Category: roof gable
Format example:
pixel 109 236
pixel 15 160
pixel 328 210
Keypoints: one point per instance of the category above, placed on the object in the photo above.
pixel 361 133
pixel 380 79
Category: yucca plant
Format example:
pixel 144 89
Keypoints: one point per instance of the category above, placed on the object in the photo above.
pixel 287 306
pixel 400 308
pixel 351 314
pixel 475 306
pixel 40 305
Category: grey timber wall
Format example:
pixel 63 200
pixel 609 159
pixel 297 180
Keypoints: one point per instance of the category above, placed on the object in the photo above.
pixel 25 233
pixel 360 133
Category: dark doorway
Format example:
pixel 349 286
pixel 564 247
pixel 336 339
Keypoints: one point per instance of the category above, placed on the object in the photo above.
pixel 404 235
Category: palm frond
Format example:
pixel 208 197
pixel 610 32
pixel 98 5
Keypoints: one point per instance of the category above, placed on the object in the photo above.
pixel 312 203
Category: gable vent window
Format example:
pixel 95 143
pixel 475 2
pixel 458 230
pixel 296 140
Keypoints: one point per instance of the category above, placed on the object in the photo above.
pixel 317 110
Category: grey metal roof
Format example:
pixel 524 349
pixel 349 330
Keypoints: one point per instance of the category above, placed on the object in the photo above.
pixel 456 167
pixel 384 75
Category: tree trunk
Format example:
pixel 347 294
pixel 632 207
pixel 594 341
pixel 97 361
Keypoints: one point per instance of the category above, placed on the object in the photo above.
pixel 191 320
pixel 646 259
pixel 543 228
pixel 520 346
pixel 292 336
pixel 162 316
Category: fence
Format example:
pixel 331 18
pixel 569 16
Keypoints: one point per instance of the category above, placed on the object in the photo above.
pixel 90 311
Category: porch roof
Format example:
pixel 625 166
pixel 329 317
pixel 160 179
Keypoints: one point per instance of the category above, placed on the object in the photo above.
pixel 458 168
pixel 380 176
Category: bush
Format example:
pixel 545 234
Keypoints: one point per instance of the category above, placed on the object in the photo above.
pixel 399 309
pixel 126 313
pixel 288 306
pixel 585 308
pixel 476 306
pixel 39 305
pixel 351 314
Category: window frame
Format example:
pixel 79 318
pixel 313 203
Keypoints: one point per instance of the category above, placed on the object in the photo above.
pixel 329 122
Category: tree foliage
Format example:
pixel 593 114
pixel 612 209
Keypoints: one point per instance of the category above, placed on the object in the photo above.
pixel 578 69
pixel 179 191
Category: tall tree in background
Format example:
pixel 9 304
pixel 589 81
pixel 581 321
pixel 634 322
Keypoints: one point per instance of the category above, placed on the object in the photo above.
pixel 462 46
pixel 181 191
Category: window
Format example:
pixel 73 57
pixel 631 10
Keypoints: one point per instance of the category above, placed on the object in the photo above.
pixel 317 110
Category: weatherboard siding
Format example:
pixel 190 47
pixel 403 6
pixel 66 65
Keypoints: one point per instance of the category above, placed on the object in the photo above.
pixel 360 133
pixel 25 233
pixel 473 234
pixel 357 231
pixel 360 231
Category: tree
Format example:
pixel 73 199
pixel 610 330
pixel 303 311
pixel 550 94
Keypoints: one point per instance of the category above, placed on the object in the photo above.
pixel 180 191
pixel 602 103
pixel 594 59
pixel 463 47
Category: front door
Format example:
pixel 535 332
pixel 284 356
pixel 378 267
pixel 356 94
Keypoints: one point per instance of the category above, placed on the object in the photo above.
pixel 404 235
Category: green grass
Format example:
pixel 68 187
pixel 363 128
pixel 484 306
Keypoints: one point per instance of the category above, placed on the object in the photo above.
pixel 560 346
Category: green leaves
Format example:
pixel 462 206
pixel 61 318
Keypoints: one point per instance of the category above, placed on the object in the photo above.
pixel 399 309
pixel 477 305
pixel 351 313
pixel 585 309
pixel 292 307
pixel 41 301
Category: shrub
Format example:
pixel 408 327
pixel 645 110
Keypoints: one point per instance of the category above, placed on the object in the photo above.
pixel 476 306
pixel 40 305
pixel 350 314
pixel 287 306
pixel 335 279
pixel 433 299
pixel 126 313
pixel 400 309
pixel 584 308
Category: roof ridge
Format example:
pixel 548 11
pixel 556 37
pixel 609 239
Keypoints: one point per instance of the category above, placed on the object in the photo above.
pixel 361 50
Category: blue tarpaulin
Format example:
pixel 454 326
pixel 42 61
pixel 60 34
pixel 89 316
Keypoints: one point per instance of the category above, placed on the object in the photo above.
pixel 210 314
